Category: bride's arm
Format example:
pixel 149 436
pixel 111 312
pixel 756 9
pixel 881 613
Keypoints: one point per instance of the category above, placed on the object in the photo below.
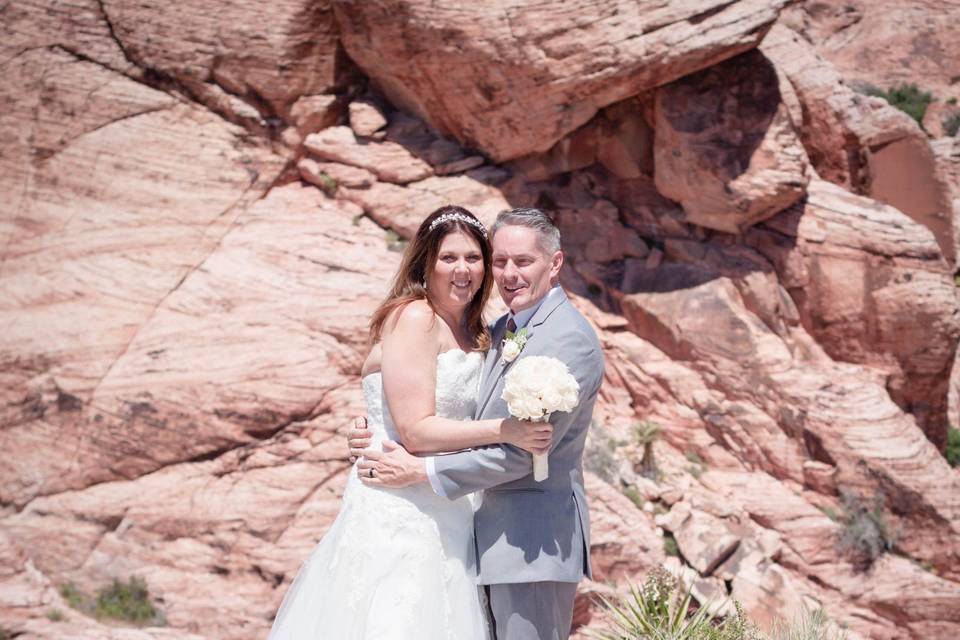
pixel 411 345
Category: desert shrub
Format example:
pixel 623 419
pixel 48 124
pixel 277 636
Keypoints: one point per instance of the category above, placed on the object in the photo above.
pixel 866 535
pixel 951 124
pixel 906 97
pixel 598 458
pixel 394 241
pixel 634 495
pixel 953 446
pixel 123 601
pixel 327 183
pixel 54 615
pixel 74 597
pixel 670 546
pixel 645 434
pixel 659 610
pixel 4 634
pixel 697 465
pixel 812 625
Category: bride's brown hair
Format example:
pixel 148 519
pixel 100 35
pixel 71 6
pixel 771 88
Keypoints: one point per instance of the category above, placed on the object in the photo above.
pixel 417 263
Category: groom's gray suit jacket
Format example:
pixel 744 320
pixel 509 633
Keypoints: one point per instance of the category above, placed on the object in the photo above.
pixel 528 531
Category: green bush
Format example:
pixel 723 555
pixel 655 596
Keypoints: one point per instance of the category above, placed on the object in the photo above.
pixel 634 495
pixel 953 446
pixel 54 615
pixel 866 535
pixel 123 601
pixel 327 183
pixel 951 124
pixel 658 610
pixel 906 97
pixel 74 597
pixel 670 545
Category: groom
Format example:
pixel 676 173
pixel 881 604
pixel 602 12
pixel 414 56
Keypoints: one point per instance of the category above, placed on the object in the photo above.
pixel 532 538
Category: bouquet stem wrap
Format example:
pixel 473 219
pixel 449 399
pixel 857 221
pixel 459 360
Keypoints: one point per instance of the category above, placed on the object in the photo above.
pixel 541 461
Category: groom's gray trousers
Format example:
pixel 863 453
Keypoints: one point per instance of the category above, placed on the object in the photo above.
pixel 533 611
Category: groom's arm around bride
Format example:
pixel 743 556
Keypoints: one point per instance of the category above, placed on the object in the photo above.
pixel 532 538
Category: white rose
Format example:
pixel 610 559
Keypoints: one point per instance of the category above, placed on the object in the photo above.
pixel 510 350
pixel 552 398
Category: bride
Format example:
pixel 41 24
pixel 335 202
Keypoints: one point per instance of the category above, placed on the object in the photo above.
pixel 398 563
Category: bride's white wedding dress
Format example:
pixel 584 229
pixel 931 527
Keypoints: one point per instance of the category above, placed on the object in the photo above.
pixel 397 563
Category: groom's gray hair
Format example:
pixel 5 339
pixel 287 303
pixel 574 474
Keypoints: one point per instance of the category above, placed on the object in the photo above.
pixel 547 232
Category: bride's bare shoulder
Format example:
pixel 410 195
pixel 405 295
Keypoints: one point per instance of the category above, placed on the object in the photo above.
pixel 412 318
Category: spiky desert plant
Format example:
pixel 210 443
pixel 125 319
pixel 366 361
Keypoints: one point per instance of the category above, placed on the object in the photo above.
pixel 645 434
pixel 655 611
pixel 811 625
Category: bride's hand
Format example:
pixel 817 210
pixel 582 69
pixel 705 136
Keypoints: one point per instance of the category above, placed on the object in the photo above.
pixel 534 437
pixel 358 438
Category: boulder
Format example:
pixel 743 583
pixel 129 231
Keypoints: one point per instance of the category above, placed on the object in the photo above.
pixel 513 78
pixel 366 118
pixel 724 145
pixel 872 287
pixel 863 143
pixel 387 160
pixel 403 208
pixel 213 56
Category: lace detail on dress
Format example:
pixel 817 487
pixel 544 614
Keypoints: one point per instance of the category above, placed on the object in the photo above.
pixel 397 563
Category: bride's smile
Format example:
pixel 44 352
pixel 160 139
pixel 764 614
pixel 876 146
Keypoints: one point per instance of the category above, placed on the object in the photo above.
pixel 457 273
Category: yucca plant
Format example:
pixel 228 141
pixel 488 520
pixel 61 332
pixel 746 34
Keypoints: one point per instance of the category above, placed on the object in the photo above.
pixel 646 434
pixel 812 625
pixel 656 611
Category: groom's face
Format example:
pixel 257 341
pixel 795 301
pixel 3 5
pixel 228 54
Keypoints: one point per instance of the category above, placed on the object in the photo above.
pixel 523 271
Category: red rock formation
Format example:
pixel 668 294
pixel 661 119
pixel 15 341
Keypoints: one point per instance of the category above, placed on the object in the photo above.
pixel 848 263
pixel 184 320
pixel 513 78
pixel 885 42
pixel 863 143
pixel 725 148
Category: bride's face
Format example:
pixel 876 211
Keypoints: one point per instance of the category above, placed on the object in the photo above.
pixel 458 271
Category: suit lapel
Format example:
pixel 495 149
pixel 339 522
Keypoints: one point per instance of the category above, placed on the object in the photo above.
pixel 489 375
pixel 495 371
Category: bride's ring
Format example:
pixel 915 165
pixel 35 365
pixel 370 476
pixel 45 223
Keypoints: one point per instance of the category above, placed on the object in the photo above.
pixel 371 472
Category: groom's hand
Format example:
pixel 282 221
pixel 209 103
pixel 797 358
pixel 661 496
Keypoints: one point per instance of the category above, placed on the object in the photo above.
pixel 358 438
pixel 393 467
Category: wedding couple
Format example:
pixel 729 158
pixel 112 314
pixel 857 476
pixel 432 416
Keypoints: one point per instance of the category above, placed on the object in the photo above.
pixel 417 534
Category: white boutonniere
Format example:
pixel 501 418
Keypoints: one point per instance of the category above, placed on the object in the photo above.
pixel 513 344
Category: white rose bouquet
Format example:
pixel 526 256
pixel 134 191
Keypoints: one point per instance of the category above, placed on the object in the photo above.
pixel 536 387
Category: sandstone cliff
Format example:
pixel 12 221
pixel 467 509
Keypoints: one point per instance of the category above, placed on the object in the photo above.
pixel 202 208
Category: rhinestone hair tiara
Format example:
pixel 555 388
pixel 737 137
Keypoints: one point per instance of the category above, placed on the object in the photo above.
pixel 447 217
